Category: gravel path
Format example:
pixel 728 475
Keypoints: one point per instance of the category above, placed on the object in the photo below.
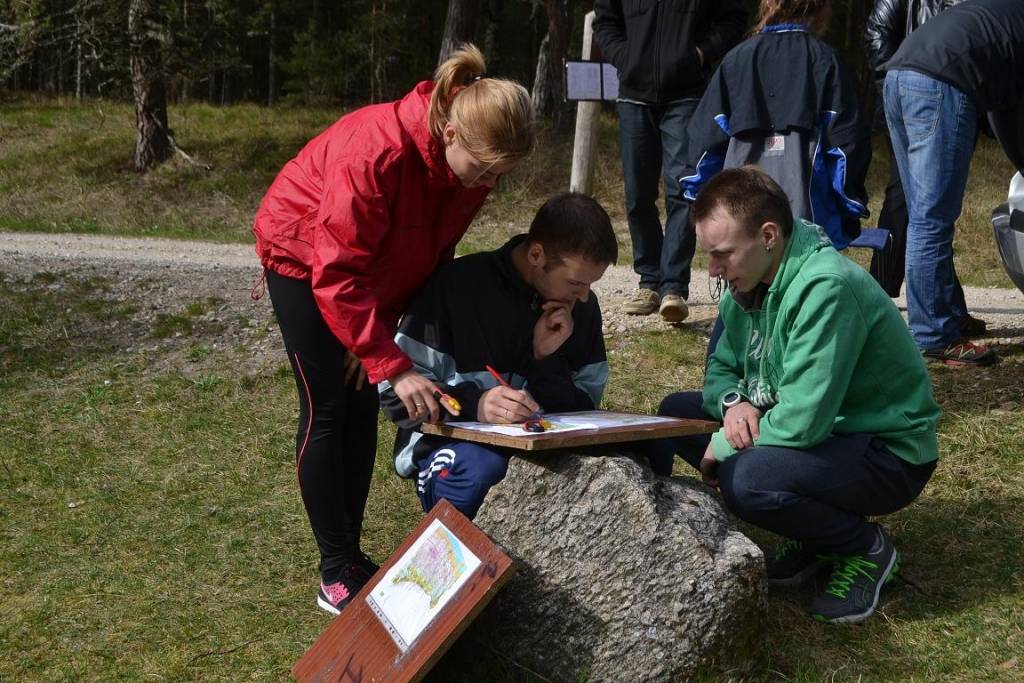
pixel 165 276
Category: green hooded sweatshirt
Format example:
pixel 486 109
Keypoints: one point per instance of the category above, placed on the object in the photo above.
pixel 825 351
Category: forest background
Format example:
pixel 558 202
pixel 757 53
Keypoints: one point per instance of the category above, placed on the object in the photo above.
pixel 310 52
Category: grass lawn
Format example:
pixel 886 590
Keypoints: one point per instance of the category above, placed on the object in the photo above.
pixel 150 526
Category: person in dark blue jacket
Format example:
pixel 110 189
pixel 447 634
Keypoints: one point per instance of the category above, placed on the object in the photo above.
pixel 783 100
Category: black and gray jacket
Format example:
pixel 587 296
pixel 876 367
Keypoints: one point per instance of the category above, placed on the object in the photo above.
pixel 890 22
pixel 477 311
pixel 653 43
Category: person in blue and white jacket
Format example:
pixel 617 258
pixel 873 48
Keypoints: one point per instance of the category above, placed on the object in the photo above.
pixel 783 100
pixel 525 309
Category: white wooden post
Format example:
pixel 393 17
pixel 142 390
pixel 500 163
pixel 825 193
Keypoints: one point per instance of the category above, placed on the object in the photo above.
pixel 582 178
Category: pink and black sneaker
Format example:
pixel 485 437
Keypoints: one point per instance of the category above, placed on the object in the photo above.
pixel 334 596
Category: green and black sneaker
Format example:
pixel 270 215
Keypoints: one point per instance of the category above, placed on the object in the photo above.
pixel 852 591
pixel 792 564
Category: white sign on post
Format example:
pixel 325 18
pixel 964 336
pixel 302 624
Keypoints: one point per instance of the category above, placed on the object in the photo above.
pixel 590 81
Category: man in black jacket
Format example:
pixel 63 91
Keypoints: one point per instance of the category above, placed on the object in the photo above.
pixel 662 50
pixel 967 60
pixel 526 310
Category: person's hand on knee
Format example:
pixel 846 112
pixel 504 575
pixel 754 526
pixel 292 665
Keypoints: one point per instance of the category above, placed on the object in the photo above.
pixel 742 425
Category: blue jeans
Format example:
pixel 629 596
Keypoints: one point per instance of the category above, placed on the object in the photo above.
pixel 932 126
pixel 653 146
pixel 819 495
pixel 462 473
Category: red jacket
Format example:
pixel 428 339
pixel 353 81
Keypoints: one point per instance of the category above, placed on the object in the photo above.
pixel 366 212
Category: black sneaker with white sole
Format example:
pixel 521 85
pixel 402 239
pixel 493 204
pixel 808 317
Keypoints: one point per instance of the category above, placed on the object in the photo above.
pixel 792 564
pixel 335 595
pixel 851 595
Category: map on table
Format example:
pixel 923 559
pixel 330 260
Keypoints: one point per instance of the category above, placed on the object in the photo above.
pixel 568 422
pixel 421 583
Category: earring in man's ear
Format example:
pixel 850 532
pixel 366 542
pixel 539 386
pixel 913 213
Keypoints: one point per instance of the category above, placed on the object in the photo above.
pixel 768 248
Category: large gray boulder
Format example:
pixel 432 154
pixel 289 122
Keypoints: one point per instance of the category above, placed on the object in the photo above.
pixel 622 575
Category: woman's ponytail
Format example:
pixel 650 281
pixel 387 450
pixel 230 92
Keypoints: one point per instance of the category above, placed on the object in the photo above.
pixel 493 117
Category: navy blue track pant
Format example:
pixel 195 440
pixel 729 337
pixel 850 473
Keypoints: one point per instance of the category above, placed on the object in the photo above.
pixel 819 495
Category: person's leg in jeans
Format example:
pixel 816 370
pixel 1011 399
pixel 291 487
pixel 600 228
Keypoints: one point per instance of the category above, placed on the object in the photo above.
pixel 821 495
pixel 462 473
pixel 932 126
pixel 661 453
pixel 640 148
pixel 336 440
pixel 818 498
pixel 680 239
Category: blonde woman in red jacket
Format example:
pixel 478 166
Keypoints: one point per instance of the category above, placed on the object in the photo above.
pixel 347 232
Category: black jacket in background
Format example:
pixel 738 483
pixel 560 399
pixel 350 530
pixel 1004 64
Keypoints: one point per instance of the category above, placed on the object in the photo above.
pixel 653 43
pixel 890 22
pixel 976 46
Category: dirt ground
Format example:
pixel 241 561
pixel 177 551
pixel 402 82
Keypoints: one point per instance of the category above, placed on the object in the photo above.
pixel 165 277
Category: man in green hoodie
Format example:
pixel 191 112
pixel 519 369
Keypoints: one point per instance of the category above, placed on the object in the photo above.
pixel 826 406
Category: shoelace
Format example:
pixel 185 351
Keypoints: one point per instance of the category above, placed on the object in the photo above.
pixel 842 578
pixel 962 349
pixel 790 546
pixel 336 592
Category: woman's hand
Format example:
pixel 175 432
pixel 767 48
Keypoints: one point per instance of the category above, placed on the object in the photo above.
pixel 503 405
pixel 354 369
pixel 742 425
pixel 417 395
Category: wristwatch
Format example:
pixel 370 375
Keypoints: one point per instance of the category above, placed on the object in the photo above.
pixel 731 399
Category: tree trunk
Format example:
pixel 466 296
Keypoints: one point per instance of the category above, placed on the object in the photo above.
pixel 271 86
pixel 153 143
pixel 549 85
pixel 541 83
pixel 378 64
pixel 78 57
pixel 492 35
pixel 458 26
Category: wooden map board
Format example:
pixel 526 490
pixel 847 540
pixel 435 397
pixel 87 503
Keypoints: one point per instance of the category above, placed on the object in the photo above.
pixel 587 437
pixel 356 647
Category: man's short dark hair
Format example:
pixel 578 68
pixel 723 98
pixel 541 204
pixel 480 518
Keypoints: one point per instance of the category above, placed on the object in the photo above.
pixel 749 195
pixel 573 224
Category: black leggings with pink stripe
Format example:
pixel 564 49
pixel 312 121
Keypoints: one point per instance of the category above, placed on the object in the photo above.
pixel 336 442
